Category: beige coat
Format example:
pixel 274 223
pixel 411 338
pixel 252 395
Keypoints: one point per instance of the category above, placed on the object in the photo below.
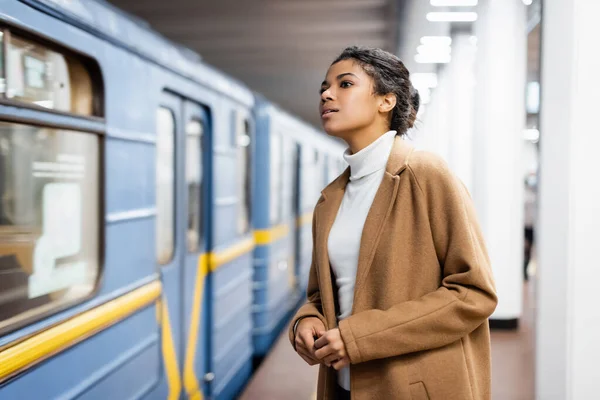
pixel 424 287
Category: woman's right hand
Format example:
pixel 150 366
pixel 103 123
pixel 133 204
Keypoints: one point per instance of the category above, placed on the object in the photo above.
pixel 307 331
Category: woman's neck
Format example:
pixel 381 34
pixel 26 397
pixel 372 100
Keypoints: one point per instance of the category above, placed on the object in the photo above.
pixel 360 139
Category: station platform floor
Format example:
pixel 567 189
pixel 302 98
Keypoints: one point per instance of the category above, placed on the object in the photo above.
pixel 284 375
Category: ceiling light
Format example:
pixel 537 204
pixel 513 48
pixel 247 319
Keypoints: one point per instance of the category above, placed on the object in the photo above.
pixel 527 2
pixel 533 135
pixel 453 3
pixel 424 80
pixel 532 97
pixel 436 40
pixel 442 50
pixel 435 59
pixel 452 16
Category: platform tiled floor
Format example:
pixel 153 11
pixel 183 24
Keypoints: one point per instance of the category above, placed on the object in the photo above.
pixel 283 375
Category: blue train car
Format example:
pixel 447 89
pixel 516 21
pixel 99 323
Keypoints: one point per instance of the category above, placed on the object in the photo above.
pixel 125 235
pixel 290 170
pixel 129 212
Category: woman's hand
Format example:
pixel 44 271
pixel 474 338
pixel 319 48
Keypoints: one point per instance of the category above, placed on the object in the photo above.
pixel 331 349
pixel 306 331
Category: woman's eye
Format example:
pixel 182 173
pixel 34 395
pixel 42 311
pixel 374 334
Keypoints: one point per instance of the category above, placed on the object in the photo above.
pixel 345 84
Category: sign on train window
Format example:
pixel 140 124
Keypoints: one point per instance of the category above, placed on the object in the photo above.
pixel 49 219
pixel 39 75
pixel 165 185
pixel 244 184
pixel 193 173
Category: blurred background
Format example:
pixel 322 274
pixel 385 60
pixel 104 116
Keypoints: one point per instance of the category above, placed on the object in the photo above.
pixel 160 161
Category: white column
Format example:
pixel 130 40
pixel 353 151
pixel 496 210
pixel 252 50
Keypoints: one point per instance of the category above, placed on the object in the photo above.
pixel 497 145
pixel 441 118
pixel 432 133
pixel 461 104
pixel 568 318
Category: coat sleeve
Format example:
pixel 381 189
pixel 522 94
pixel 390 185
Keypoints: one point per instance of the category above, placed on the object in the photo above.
pixel 312 307
pixel 466 296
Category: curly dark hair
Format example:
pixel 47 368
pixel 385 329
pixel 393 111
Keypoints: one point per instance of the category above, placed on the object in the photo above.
pixel 390 76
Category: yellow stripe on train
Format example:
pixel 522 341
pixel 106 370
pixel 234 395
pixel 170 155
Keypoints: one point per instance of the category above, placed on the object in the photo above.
pixel 31 351
pixel 169 353
pixel 190 380
pixel 218 259
pixel 304 219
pixel 267 236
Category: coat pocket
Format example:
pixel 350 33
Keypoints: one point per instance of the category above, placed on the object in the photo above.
pixel 418 391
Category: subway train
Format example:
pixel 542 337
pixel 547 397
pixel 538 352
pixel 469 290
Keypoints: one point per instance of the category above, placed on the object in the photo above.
pixel 155 214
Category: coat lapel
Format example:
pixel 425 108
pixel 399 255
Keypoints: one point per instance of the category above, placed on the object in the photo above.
pixel 380 211
pixel 325 213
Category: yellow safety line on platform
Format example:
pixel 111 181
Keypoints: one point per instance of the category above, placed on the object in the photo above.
pixel 31 351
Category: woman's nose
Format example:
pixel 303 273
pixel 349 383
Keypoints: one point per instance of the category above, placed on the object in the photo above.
pixel 326 95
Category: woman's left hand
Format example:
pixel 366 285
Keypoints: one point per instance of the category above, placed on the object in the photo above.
pixel 331 350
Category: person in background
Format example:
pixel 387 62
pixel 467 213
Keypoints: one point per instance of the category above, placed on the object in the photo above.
pixel 530 216
pixel 400 288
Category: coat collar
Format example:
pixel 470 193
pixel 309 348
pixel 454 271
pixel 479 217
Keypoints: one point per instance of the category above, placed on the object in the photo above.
pixel 326 212
pixel 397 162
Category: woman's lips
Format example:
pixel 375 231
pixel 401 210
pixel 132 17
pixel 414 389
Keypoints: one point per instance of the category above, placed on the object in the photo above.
pixel 328 112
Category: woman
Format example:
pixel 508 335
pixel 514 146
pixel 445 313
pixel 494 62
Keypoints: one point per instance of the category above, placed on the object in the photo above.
pixel 400 286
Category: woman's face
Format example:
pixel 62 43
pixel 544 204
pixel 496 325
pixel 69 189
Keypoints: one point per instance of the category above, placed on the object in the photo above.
pixel 348 103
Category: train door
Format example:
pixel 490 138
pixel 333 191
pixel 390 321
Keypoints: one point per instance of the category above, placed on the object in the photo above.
pixel 168 234
pixel 182 161
pixel 297 210
pixel 290 188
pixel 305 208
pixel 195 268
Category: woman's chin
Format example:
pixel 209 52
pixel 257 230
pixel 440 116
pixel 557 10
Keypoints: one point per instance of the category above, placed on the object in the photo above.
pixel 333 130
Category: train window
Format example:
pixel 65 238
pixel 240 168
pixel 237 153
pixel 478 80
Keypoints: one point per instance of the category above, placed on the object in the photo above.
pixel 41 76
pixel 275 179
pixel 243 143
pixel 165 185
pixel 49 219
pixel 193 171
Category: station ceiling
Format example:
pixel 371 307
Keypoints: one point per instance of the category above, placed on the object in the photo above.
pixel 280 48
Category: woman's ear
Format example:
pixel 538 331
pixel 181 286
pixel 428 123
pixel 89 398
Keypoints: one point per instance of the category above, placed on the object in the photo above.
pixel 388 102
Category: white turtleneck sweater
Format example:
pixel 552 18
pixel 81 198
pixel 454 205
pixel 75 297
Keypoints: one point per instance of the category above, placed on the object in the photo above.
pixel 367 168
